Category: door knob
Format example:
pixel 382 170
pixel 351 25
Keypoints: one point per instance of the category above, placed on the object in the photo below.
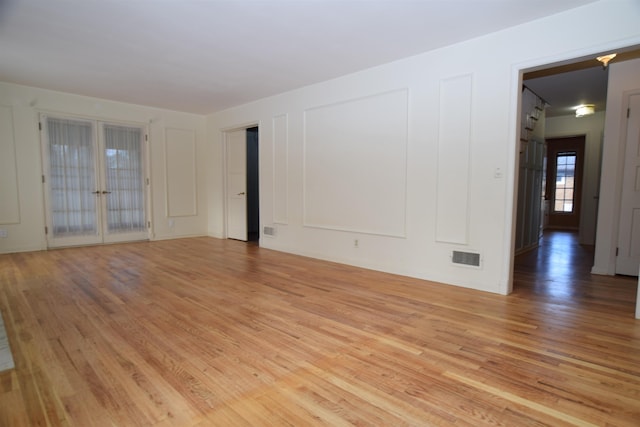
pixel 241 194
pixel 106 192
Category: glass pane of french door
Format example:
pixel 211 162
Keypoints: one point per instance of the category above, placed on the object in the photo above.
pixel 72 201
pixel 124 194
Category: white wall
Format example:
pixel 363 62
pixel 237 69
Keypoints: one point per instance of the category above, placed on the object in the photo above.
pixel 592 127
pixel 180 133
pixel 623 79
pixel 458 133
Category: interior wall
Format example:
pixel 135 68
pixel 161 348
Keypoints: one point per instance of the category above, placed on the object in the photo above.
pixel 623 79
pixel 178 193
pixel 419 155
pixel 592 127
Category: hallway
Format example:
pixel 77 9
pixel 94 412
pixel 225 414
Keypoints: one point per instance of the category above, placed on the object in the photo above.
pixel 560 271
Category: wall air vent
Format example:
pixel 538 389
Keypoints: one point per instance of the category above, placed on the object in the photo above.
pixel 269 231
pixel 466 258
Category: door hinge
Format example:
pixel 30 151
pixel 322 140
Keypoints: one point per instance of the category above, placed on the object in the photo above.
pixel 148 224
pixel 147 181
pixel 146 137
pixel 39 125
pixel 43 179
pixel 628 112
pixel 46 230
pixel 617 250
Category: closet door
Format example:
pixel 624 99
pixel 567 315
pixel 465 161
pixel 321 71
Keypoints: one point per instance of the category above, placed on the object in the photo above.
pixel 71 187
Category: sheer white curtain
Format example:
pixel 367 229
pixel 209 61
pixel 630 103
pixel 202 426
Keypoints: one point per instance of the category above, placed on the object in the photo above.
pixel 124 179
pixel 72 178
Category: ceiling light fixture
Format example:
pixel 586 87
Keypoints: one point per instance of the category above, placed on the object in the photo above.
pixel 605 59
pixel 585 110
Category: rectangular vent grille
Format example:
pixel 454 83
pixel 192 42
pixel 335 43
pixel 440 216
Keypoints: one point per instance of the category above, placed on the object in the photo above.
pixel 466 258
pixel 269 231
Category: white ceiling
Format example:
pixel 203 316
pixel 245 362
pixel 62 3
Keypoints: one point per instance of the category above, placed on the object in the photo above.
pixel 207 55
pixel 565 91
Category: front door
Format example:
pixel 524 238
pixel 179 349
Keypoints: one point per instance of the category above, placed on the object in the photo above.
pixel 565 157
pixel 237 185
pixel 628 259
pixel 94 182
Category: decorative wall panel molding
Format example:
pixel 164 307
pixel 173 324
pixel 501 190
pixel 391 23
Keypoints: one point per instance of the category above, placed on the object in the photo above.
pixel 454 144
pixel 280 168
pixel 355 164
pixel 9 190
pixel 181 172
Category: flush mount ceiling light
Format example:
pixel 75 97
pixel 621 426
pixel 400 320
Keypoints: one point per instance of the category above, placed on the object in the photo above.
pixel 585 110
pixel 605 59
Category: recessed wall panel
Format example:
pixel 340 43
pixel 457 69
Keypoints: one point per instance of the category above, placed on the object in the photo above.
pixel 181 172
pixel 280 168
pixel 454 138
pixel 355 165
pixel 9 203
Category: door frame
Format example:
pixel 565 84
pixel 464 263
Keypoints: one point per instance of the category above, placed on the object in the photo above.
pixel 98 157
pixel 225 191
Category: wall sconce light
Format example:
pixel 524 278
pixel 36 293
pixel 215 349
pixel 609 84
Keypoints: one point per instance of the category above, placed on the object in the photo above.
pixel 585 110
pixel 605 59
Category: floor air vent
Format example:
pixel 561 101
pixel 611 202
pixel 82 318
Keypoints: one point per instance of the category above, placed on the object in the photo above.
pixel 466 258
pixel 269 231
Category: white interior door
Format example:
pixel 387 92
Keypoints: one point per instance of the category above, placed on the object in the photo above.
pixel 237 185
pixel 628 259
pixel 95 188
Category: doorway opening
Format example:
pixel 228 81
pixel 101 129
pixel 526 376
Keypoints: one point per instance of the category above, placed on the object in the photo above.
pixel 243 185
pixel 562 122
pixel 253 186
pixel 557 144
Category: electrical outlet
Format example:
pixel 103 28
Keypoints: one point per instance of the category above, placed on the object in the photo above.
pixel 356 243
pixel 4 233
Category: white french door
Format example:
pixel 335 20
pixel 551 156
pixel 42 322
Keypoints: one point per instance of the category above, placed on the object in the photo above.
pixel 95 185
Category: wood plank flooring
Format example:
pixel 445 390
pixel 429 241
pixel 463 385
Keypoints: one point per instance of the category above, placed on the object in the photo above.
pixel 208 332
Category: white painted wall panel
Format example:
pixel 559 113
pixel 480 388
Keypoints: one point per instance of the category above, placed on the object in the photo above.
pixel 181 172
pixel 280 168
pixel 9 206
pixel 355 165
pixel 454 141
pixel 491 148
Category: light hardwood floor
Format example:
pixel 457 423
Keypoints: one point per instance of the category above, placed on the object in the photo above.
pixel 207 332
